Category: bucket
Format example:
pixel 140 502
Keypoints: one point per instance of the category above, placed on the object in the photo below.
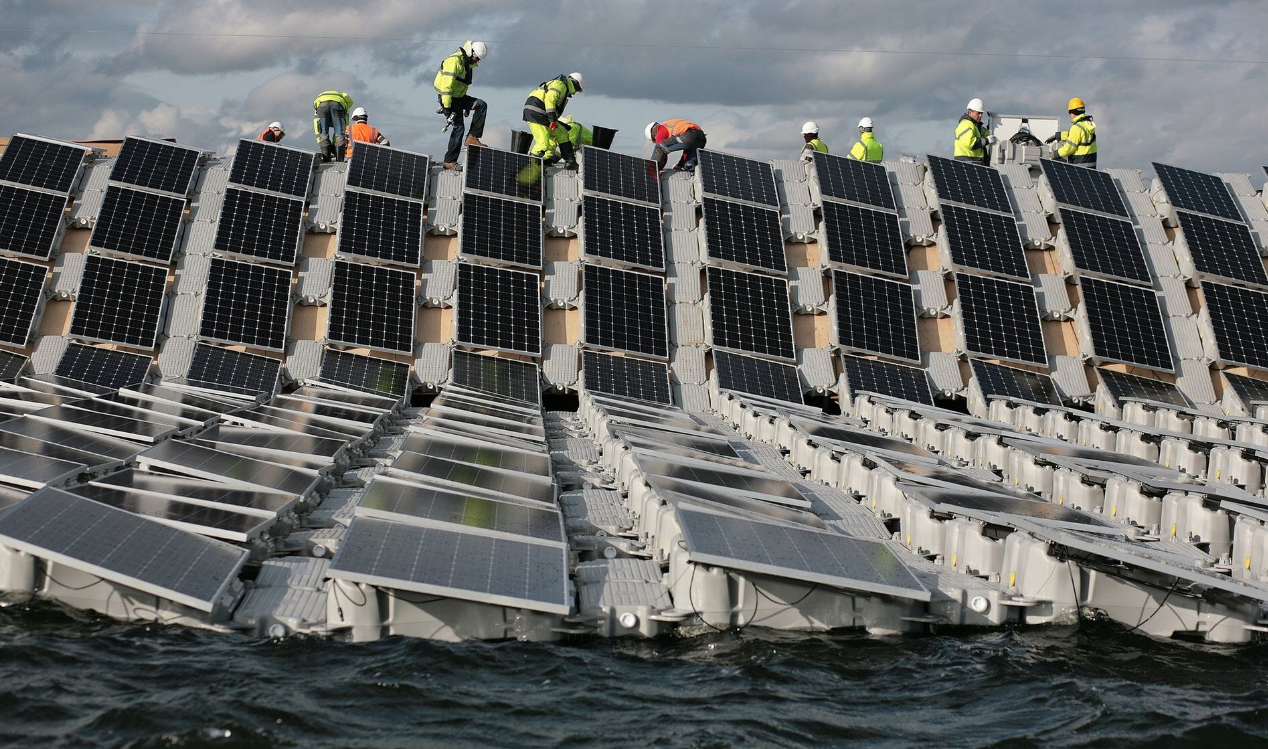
pixel 602 137
pixel 521 141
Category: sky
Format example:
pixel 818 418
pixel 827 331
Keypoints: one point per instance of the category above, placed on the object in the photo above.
pixel 1177 81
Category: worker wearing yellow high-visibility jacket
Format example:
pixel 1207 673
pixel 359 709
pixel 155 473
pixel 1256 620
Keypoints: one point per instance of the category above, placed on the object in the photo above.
pixel 1078 144
pixel 330 123
pixel 972 138
pixel 813 143
pixel 542 110
pixel 451 83
pixel 867 148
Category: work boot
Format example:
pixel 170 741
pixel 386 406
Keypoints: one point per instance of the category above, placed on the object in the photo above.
pixel 569 155
pixel 473 141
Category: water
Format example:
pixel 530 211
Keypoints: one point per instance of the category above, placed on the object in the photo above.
pixel 73 679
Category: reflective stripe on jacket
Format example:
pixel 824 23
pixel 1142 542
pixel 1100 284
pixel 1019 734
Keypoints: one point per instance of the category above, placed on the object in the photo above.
pixel 548 101
pixel 970 138
pixel 814 145
pixel 867 149
pixel 675 128
pixel 453 78
pixel 1079 141
pixel 340 97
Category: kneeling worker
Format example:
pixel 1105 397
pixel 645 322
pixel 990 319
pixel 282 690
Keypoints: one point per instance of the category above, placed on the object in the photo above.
pixel 273 133
pixel 867 148
pixel 362 131
pixel 810 133
pixel 542 110
pixel 676 135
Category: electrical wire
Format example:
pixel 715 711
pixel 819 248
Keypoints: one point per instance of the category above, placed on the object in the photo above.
pixel 1161 603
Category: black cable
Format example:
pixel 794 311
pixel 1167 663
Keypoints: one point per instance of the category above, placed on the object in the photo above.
pixel 1162 603
pixel 1074 589
pixel 49 575
pixel 691 585
pixel 785 603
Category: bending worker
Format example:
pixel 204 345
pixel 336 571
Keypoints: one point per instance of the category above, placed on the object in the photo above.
pixel 1078 144
pixel 362 131
pixel 810 133
pixel 451 84
pixel 542 110
pixel 867 148
pixel 330 123
pixel 273 133
pixel 971 136
pixel 676 135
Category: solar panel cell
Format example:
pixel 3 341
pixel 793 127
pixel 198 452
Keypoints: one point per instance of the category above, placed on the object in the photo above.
pixel 247 304
pixel 509 231
pixel 744 235
pixel 138 223
pixel 1000 319
pixel 119 302
pixel 105 367
pixel 864 238
pixel 260 225
pixel 269 166
pixel 857 181
pixel 365 373
pixel 1103 245
pixel 750 312
pixel 1222 249
pixel 41 163
pixel 1196 191
pixel 373 307
pixel 29 221
pixel 626 376
pixel 728 176
pixel 1126 324
pixel 625 310
pixel 161 166
pixel 498 172
pixel 499 308
pixel 996 380
pixel 876 315
pixel 217 368
pixel 884 378
pixel 380 227
pixel 984 241
pixel 389 170
pixel 970 184
pixel 510 379
pixel 619 175
pixel 1083 187
pixel 21 288
pixel 1123 385
pixel 762 377
pixel 625 232
pixel 1239 318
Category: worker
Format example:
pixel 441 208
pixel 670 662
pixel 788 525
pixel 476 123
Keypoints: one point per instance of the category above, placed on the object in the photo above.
pixel 972 138
pixel 330 123
pixel 273 133
pixel 1078 144
pixel 361 130
pixel 452 81
pixel 810 133
pixel 867 148
pixel 676 135
pixel 542 110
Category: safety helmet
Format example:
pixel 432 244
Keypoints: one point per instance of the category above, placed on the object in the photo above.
pixel 477 50
pixel 810 127
pixel 1076 103
pixel 277 126
pixel 578 79
pixel 865 122
pixel 975 105
pixel 359 114
pixel 651 129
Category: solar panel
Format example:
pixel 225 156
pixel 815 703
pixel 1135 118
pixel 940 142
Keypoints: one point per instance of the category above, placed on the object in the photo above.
pixel 499 308
pixel 996 380
pixel 750 312
pixel 761 377
pixel 30 221
pixel 1239 318
pixel 365 373
pixel 616 174
pixel 884 378
pixel 1000 319
pixel 858 181
pixel 213 522
pixel 1123 385
pixel 399 502
pixel 625 232
pixel 626 376
pixel 744 235
pixel 1196 191
pixel 525 486
pixel 517 380
pixel 217 368
pixel 452 447
pixel 71 437
pixel 269 166
pixel 1083 187
pixel 21 289
pixel 105 367
pixel 179 456
pixel 1126 324
pixel 1103 245
pixel 1250 390
pixel 852 435
pixel 752 479
pixel 11 365
pixel 138 223
pixel 372 307
pixel 864 238
pixel 157 559
pixel 467 566
pixel 1222 249
pixel 389 170
pixel 119 302
pixel 1003 503
pixel 263 503
pixel 246 303
pixel 970 184
pixel 156 164
pixel 624 310
pixel 875 315
pixel 32 446
pixel 985 241
pixel 18 468
pixel 384 228
pixel 269 227
pixel 41 163
pixel 728 176
pixel 509 231
pixel 498 172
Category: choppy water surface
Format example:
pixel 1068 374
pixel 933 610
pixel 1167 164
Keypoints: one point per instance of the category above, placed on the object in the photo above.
pixel 75 680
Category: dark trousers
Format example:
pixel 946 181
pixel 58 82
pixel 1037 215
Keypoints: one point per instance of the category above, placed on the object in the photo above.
pixel 465 105
pixel 689 143
pixel 329 123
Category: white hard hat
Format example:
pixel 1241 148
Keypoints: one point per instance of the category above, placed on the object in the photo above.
pixel 651 129
pixel 476 49
pixel 975 105
pixel 359 112
pixel 277 126
pixel 810 127
pixel 865 122
pixel 579 79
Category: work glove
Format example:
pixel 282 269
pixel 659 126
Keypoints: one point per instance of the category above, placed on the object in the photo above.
pixel 1052 138
pixel 991 140
pixel 553 125
pixel 570 165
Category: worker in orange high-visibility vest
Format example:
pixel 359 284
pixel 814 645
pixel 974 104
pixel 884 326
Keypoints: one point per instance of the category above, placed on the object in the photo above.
pixel 361 130
pixel 676 135
pixel 273 133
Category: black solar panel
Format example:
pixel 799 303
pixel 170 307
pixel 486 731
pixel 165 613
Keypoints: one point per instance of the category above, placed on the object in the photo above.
pixel 1222 249
pixel 247 304
pixel 626 376
pixel 165 167
pixel 864 238
pixel 985 241
pixel 269 227
pixel 138 223
pixel 996 380
pixel 373 307
pixel 968 183
pixel 269 166
pixel 509 231
pixel 504 173
pixel 1122 385
pixel 217 368
pixel 21 288
pixel 625 232
pixel 119 302
pixel 1103 245
pixel 736 177
pixel 857 181
pixel 616 174
pixel 1126 324
pixel 625 310
pixel 761 377
pixel 11 366
pixel 29 221
pixel 365 373
pixel 499 308
pixel 1249 389
pixel 744 235
pixel 41 163
pixel 108 368
pixel 876 315
pixel 510 379
pixel 1000 318
pixel 389 170
pixel 895 380
pixel 1082 187
pixel 750 312
pixel 1197 191
pixel 384 228
pixel 1239 318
